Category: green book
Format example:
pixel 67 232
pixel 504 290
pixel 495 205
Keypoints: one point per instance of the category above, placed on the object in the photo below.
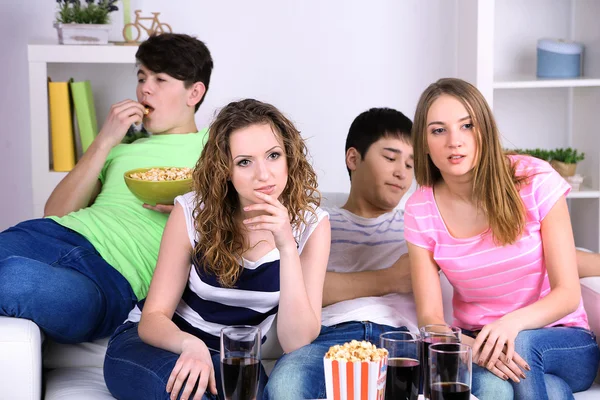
pixel 85 111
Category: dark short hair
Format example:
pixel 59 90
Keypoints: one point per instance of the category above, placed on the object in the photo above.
pixel 178 55
pixel 374 124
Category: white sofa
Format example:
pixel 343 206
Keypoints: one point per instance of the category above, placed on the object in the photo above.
pixel 74 372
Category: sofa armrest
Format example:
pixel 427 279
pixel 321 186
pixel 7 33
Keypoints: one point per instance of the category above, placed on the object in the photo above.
pixel 590 291
pixel 20 359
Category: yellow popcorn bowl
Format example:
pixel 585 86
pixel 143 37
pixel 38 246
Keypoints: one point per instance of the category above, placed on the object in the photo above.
pixel 155 192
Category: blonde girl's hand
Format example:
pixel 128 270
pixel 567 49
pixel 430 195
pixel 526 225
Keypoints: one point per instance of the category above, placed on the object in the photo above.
pixel 512 370
pixel 494 348
pixel 276 220
pixel 194 365
pixel 503 370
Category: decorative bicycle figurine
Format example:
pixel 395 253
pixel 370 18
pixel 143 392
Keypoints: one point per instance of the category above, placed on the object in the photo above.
pixel 137 26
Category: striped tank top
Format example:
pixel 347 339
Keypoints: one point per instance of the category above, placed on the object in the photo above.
pixel 206 306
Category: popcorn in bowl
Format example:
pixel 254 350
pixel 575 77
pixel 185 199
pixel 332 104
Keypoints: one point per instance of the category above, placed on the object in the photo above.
pixel 355 370
pixel 163 174
pixel 158 185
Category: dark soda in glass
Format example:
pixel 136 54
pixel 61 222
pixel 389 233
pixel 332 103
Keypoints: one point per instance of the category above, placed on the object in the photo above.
pixel 402 381
pixel 240 378
pixel 450 391
pixel 426 343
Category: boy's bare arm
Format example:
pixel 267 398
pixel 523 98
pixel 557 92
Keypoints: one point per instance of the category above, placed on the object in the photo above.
pixel 81 186
pixel 588 264
pixel 340 286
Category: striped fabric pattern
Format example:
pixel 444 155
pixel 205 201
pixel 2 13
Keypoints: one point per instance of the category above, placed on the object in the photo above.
pixel 368 244
pixel 362 244
pixel 206 307
pixel 490 281
pixel 347 380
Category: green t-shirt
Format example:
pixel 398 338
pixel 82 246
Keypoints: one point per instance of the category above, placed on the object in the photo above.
pixel 126 234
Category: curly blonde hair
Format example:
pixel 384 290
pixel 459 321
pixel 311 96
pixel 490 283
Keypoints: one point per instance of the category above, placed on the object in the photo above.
pixel 220 244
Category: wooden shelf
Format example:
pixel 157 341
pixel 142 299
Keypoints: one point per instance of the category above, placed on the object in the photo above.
pixel 533 82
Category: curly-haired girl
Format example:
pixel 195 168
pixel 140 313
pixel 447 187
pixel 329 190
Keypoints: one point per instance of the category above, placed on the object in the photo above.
pixel 248 243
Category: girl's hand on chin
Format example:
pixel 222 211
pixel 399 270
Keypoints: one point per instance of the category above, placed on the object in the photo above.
pixel 275 220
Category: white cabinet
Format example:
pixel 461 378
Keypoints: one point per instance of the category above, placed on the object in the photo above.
pixel 497 42
pixel 62 59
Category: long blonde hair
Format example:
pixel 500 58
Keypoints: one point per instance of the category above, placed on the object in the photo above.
pixel 220 244
pixel 495 184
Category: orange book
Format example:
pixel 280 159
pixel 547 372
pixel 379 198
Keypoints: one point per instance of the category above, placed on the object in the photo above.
pixel 61 126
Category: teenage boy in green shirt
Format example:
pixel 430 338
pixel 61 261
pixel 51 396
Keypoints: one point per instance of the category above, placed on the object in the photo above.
pixel 78 272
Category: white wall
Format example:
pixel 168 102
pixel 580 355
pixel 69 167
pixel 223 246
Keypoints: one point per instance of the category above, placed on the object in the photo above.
pixel 321 62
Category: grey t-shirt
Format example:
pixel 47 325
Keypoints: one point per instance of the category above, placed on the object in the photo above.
pixel 368 244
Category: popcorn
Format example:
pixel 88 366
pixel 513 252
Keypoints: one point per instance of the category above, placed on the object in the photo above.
pixel 355 370
pixel 356 351
pixel 163 174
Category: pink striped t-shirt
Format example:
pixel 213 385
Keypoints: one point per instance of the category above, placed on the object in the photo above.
pixel 490 281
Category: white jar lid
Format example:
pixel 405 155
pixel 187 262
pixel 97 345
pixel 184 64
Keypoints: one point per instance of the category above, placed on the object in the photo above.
pixel 560 46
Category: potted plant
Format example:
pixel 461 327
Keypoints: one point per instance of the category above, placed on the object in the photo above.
pixel 565 161
pixel 86 23
pixel 542 154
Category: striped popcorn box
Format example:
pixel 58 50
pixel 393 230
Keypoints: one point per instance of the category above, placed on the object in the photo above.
pixel 350 376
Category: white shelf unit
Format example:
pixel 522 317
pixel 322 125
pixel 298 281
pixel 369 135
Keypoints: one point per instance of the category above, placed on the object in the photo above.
pixel 532 82
pixel 497 42
pixel 41 57
pixel 584 193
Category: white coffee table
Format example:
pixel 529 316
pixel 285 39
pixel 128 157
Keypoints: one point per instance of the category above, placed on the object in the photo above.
pixel 422 398
pixel 472 397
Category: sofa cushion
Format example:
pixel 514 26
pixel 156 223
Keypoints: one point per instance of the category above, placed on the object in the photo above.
pixel 89 354
pixel 592 393
pixel 76 384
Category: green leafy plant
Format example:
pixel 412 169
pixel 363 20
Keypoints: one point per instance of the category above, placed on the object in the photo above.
pixel 566 155
pixel 538 153
pixel 93 12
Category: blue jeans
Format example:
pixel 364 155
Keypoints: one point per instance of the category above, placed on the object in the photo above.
pixel 563 361
pixel 301 375
pixel 54 277
pixel 136 370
